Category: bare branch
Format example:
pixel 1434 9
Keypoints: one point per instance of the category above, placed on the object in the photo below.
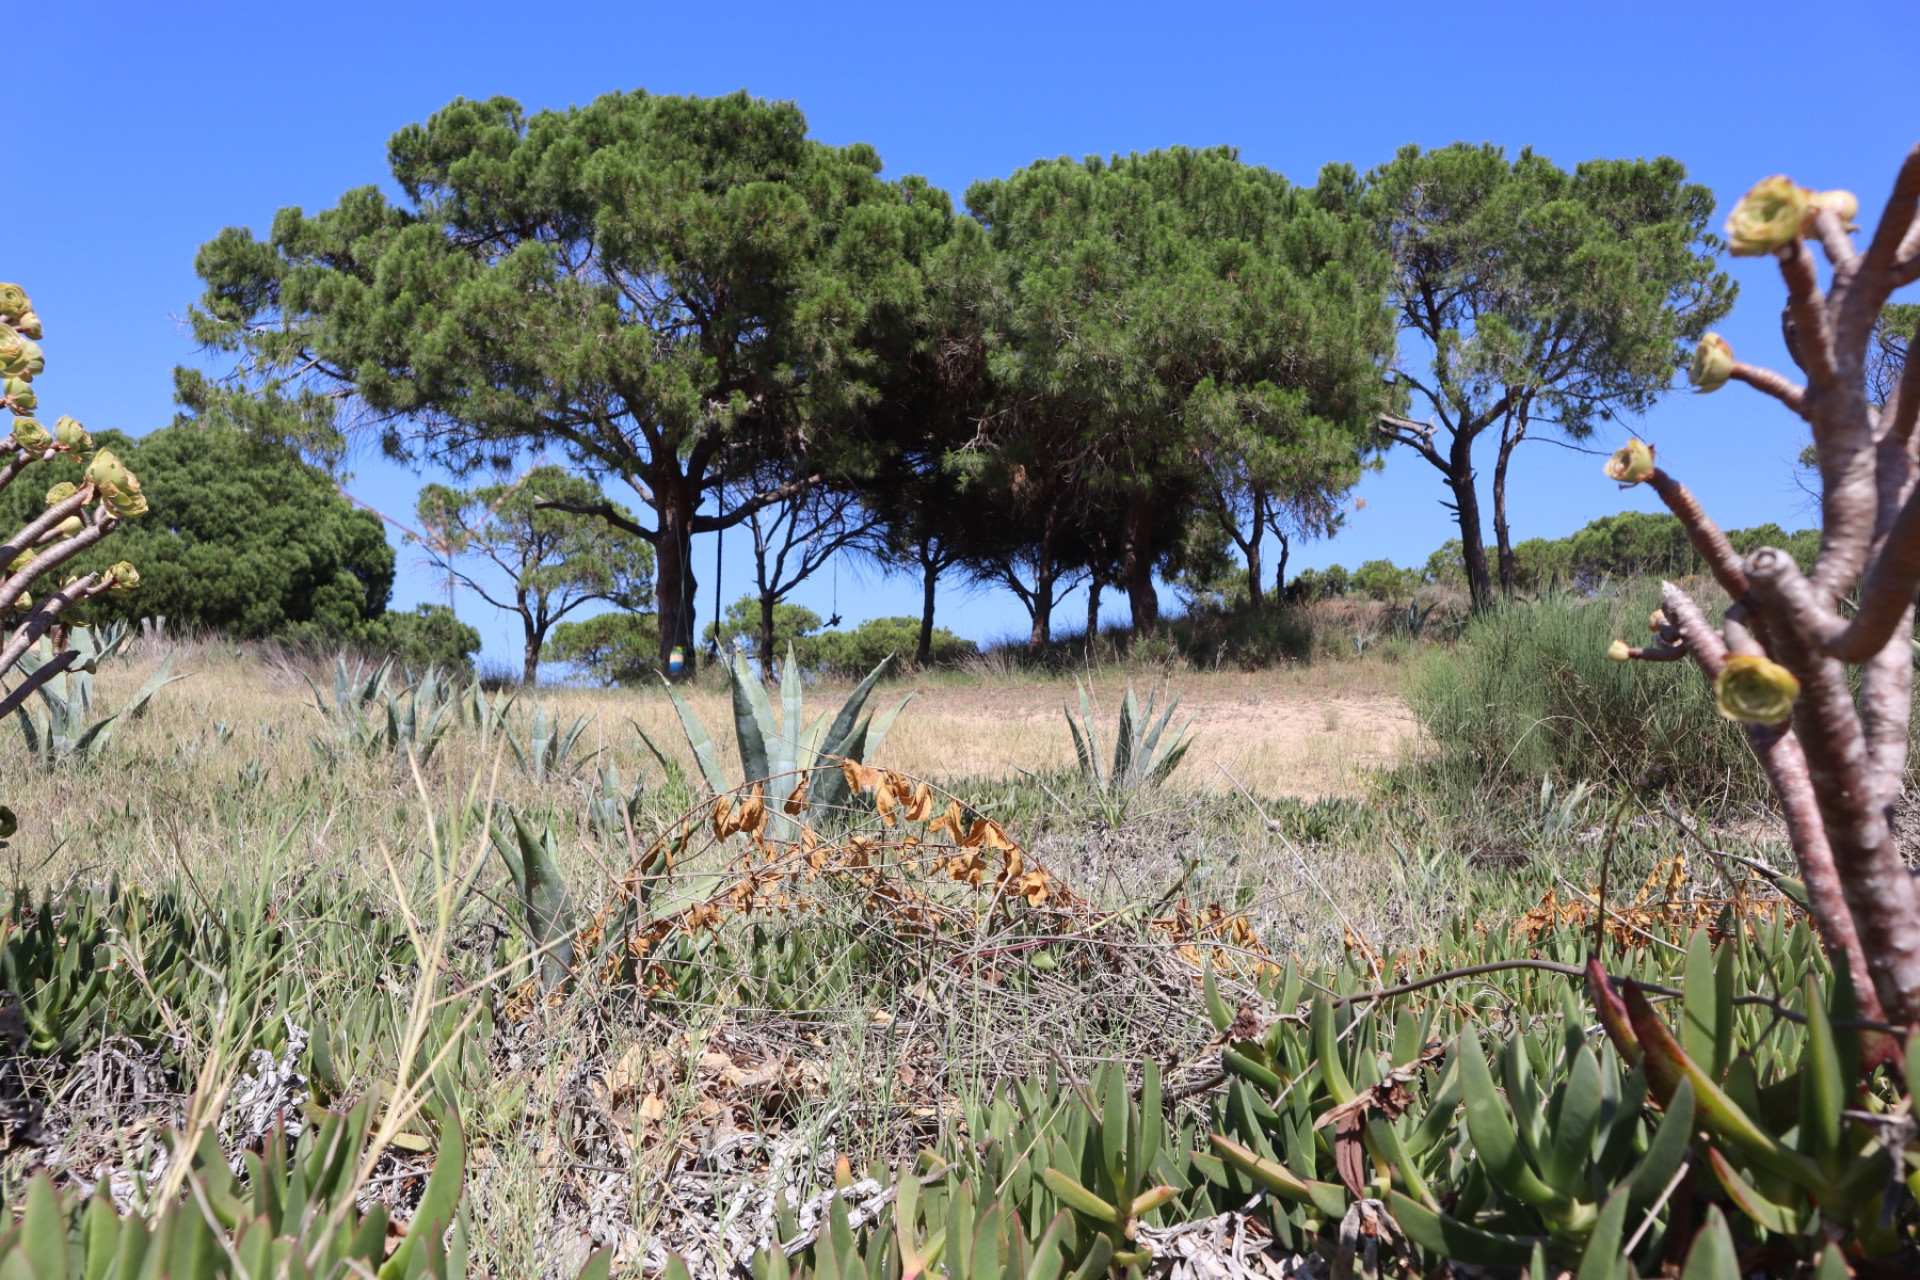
pixel 16 585
pixel 40 675
pixel 1781 756
pixel 1813 333
pixel 605 511
pixel 1889 238
pixel 1779 386
pixel 1879 891
pixel 1704 535
pixel 1662 653
pixel 1834 238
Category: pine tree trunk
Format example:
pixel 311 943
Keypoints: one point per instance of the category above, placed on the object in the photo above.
pixel 1511 434
pixel 764 641
pixel 929 578
pixel 1136 566
pixel 1094 589
pixel 1473 552
pixel 1280 569
pixel 530 653
pixel 1256 600
pixel 673 577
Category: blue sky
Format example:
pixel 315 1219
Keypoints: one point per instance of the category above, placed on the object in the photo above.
pixel 143 129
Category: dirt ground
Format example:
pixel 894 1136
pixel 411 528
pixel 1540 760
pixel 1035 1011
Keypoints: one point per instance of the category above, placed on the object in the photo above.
pixel 1277 733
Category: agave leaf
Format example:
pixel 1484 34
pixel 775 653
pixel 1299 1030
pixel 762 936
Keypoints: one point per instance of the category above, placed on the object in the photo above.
pixel 1099 778
pixel 1099 1258
pixel 1172 758
pixel 841 732
pixel 1087 768
pixel 877 732
pixel 1124 741
pixel 752 720
pixel 1152 738
pixel 699 740
pixel 160 679
pixel 789 735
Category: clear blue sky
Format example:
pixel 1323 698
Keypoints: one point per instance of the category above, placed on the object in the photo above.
pixel 141 130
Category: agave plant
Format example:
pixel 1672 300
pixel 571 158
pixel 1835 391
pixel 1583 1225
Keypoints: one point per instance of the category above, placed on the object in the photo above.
pixel 372 713
pixel 778 753
pixel 61 729
pixel 532 858
pixel 1139 757
pixel 545 751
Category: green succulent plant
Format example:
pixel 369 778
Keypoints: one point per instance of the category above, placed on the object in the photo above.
pixel 783 751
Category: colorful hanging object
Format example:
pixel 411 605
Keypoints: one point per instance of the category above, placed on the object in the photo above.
pixel 676 661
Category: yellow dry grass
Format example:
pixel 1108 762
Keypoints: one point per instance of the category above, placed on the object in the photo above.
pixel 238 729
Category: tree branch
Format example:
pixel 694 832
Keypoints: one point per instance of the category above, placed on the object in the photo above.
pixel 605 511
pixel 40 675
pixel 1813 331
pixel 1834 238
pixel 1880 894
pixel 1785 762
pixel 758 502
pixel 1779 386
pixel 1704 535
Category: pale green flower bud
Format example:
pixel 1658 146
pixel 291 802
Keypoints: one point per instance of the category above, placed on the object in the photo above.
pixel 61 492
pixel 36 359
pixel 125 578
pixel 1631 463
pixel 20 396
pixel 31 436
pixel 1753 690
pixel 24 603
pixel 1618 651
pixel 1712 363
pixel 124 500
pixel 68 527
pixel 20 562
pixel 14 300
pixel 13 353
pixel 105 470
pixel 72 436
pixel 1768 218
pixel 29 326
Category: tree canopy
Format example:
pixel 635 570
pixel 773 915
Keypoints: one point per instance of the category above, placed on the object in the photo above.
pixel 676 292
pixel 1175 331
pixel 1534 296
pixel 546 561
pixel 240 536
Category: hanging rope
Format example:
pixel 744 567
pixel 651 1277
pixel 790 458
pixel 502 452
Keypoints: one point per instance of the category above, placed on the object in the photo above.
pixel 719 544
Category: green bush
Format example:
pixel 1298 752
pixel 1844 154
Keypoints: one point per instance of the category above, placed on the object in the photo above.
pixel 1529 692
pixel 860 650
pixel 612 648
pixel 240 537
pixel 430 636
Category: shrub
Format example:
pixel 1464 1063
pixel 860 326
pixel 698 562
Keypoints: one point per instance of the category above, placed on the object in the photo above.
pixel 612 648
pixel 860 650
pixel 429 636
pixel 1529 692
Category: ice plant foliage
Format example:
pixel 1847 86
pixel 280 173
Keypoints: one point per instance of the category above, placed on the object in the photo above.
pixel 76 516
pixel 1819 667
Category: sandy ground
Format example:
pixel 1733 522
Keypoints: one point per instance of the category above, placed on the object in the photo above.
pixel 1275 733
